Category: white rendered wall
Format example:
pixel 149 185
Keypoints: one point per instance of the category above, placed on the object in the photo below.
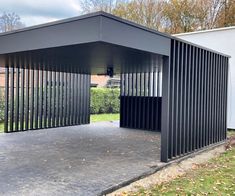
pixel 222 40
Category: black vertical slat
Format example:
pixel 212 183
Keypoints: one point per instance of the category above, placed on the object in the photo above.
pixel 153 114
pixel 49 95
pixel 12 96
pixel 79 98
pixel 213 101
pixel 22 97
pixel 181 129
pixel 207 98
pixel 69 98
pixel 217 104
pixel 199 99
pixel 171 100
pixel 45 98
pixel 73 98
pixel 216 99
pixel 214 104
pixel 226 94
pixel 166 75
pixel 75 95
pixel 192 96
pixel 143 101
pixel 17 70
pixel 136 102
pixel 89 98
pixel 84 98
pixel 224 98
pixel 32 96
pixel 6 96
pixel 202 137
pixel 53 103
pixel 210 98
pixel 184 100
pixel 57 96
pixel 65 99
pixel 220 98
pixel 177 135
pixel 121 124
pixel 128 113
pixel 61 96
pixel 41 95
pixel 189 99
pixel 130 122
pixel 36 91
pixel 27 88
pixel 195 128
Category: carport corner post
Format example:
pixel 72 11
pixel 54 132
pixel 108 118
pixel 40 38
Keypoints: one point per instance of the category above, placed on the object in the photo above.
pixel 165 108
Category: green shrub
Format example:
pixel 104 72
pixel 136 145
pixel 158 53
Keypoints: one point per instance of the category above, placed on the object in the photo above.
pixel 2 104
pixel 104 100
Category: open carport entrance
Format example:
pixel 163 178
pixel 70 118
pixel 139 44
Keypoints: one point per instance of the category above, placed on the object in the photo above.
pixel 48 70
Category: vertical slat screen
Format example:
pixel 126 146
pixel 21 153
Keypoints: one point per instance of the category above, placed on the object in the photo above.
pixel 39 97
pixel 140 106
pixel 195 114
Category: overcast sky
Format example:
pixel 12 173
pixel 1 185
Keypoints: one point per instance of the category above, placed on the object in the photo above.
pixel 34 12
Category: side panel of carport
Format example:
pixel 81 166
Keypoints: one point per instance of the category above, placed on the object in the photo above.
pixel 194 100
pixel 44 94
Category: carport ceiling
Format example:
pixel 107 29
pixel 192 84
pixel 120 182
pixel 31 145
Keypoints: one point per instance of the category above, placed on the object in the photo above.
pixel 93 42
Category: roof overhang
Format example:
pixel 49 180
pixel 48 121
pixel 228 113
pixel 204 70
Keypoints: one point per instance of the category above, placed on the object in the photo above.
pixel 89 28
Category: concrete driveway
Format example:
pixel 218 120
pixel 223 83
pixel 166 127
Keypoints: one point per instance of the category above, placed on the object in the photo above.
pixel 78 160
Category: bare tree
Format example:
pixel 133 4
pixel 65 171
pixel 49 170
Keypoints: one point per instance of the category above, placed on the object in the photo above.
pixel 10 22
pixel 144 12
pixel 99 5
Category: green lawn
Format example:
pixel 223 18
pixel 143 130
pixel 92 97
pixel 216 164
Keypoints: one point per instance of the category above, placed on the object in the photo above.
pixel 94 118
pixel 217 177
pixel 1 127
pixel 104 117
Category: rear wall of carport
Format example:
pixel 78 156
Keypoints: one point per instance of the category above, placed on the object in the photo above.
pixel 48 71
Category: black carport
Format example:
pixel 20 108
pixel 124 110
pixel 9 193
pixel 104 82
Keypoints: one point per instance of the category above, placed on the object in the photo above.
pixel 167 84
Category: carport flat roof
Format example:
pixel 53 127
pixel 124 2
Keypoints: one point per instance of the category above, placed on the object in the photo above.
pixel 94 27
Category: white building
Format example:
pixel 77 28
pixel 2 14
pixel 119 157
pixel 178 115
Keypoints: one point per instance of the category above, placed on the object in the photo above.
pixel 222 40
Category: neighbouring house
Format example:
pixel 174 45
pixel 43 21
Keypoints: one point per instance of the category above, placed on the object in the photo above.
pixel 222 40
pixel 96 80
pixel 2 77
pixel 105 81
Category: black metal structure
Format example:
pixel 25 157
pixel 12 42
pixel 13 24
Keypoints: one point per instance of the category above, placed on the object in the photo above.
pixel 41 97
pixel 167 84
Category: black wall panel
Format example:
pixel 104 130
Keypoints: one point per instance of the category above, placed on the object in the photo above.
pixel 194 101
pixel 38 97
pixel 140 101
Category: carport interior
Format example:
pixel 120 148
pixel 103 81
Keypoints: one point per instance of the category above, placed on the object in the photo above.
pixel 50 88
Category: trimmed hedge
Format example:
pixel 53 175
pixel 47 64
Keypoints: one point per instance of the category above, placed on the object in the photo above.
pixel 2 105
pixel 105 100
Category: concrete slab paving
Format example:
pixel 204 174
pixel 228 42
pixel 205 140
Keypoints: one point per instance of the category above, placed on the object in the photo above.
pixel 78 160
